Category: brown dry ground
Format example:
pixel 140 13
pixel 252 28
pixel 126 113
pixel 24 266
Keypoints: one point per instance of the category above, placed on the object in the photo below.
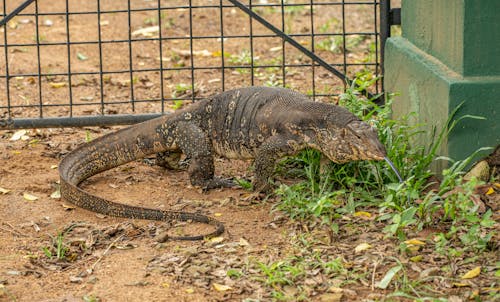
pixel 111 259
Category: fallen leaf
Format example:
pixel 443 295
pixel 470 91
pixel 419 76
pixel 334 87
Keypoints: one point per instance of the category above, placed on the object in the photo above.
pixel 17 135
pixel 217 214
pixel 388 277
pixel 53 167
pixel 57 84
pixel 12 24
pixel 4 191
pixel 165 285
pixel 68 207
pixel 362 214
pixel 216 239
pixel 456 284
pixel 417 258
pixel 277 48
pixel 473 273
pixel 56 194
pixel 81 56
pixel 414 242
pixel 189 290
pixel 47 22
pixel 146 31
pixel 29 197
pixel 362 247
pixel 490 191
pixel 243 242
pixel 221 287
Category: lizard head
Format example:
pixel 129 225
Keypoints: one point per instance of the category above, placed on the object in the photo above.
pixel 355 141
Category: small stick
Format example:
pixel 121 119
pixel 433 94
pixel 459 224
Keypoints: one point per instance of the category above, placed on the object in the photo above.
pixel 373 274
pixel 103 254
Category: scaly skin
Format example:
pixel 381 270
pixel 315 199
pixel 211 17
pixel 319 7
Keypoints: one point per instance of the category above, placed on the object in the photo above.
pixel 260 123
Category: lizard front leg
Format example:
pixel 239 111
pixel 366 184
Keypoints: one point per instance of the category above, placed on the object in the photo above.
pixel 267 155
pixel 196 145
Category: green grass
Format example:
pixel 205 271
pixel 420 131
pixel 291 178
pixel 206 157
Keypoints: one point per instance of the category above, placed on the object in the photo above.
pixel 327 192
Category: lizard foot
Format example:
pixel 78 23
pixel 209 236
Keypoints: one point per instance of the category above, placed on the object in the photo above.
pixel 218 182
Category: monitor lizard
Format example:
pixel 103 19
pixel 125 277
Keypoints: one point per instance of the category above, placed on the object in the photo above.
pixel 259 123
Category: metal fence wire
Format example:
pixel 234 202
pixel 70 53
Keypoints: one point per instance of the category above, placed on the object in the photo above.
pixel 97 62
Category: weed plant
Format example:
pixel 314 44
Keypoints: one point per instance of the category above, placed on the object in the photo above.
pixel 330 190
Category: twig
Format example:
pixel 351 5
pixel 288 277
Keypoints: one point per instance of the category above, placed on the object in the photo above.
pixel 104 253
pixel 373 274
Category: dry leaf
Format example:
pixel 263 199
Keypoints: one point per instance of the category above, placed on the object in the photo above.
pixel 17 135
pixel 362 247
pixel 56 194
pixel 216 239
pixel 146 31
pixel 221 287
pixel 456 284
pixel 243 242
pixel 4 191
pixel 473 273
pixel 217 214
pixel 57 84
pixel 490 191
pixel 68 207
pixel 414 242
pixel 29 197
pixel 53 167
pixel 189 290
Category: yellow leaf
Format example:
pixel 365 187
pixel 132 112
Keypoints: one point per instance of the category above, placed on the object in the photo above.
pixel 456 284
pixel 414 242
pixel 57 84
pixel 473 273
pixel 362 214
pixel 417 258
pixel 165 285
pixel 217 214
pixel 216 239
pixel 53 167
pixel 221 287
pixel 497 185
pixel 68 207
pixel 362 247
pixel 12 24
pixel 29 197
pixel 189 290
pixel 490 191
pixel 4 191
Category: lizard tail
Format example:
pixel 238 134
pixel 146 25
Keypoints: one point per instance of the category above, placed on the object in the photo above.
pixel 113 150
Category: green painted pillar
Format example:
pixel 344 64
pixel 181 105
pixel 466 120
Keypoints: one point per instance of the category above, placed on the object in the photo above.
pixel 449 53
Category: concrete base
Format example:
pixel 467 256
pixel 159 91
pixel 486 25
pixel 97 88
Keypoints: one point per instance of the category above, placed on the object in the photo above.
pixel 432 91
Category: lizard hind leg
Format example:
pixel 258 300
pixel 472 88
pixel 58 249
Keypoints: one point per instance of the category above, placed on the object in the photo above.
pixel 171 160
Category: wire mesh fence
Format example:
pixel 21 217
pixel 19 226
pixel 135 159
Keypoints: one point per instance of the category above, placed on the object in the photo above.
pixel 72 62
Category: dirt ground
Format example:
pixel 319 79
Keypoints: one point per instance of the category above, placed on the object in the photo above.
pixel 110 259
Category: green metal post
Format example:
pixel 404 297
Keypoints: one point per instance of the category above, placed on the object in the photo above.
pixel 449 53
